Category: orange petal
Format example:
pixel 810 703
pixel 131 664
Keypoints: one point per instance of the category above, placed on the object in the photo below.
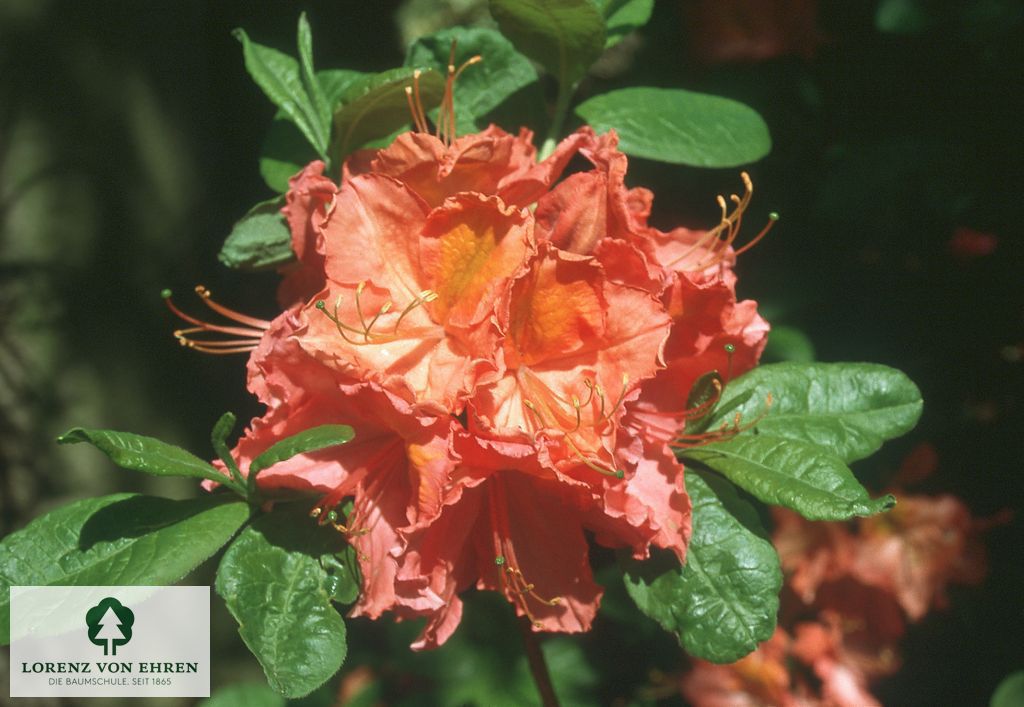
pixel 556 307
pixel 471 248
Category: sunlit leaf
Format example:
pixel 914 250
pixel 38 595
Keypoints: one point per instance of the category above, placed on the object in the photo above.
pixel 786 472
pixel 681 127
pixel 273 583
pixel 724 600
pixel 122 539
pixel 145 454
pixel 848 408
pixel 311 440
pixel 285 151
pixel 277 74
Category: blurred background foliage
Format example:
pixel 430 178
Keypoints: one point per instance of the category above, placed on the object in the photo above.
pixel 129 136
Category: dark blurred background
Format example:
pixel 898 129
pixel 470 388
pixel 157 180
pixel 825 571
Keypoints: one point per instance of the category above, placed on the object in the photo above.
pixel 129 136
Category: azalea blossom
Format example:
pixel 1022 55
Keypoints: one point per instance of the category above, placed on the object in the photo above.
pixel 514 350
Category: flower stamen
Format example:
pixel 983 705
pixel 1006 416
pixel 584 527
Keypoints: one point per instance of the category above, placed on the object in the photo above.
pixel 569 423
pixel 331 518
pixel 242 338
pixel 511 579
pixel 717 241
pixel 726 431
pixel 445 127
pixel 365 331
pixel 412 96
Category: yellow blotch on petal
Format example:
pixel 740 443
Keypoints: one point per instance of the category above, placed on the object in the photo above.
pixel 555 310
pixel 473 245
pixel 462 270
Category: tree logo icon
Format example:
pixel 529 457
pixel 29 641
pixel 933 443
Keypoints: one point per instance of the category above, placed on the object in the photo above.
pixel 110 624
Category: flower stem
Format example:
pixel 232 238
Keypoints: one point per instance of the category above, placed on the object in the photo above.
pixel 561 110
pixel 538 668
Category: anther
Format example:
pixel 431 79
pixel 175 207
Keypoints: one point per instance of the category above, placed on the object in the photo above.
pixel 717 241
pixel 242 338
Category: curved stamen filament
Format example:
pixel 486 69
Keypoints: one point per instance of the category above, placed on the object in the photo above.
pixel 554 412
pixel 241 338
pixel 424 297
pixel 510 577
pixel 726 431
pixel 445 128
pixel 412 96
pixel 717 241
pixel 697 411
pixel 365 330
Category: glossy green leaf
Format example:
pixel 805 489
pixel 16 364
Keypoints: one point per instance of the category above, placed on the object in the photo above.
pixel 315 92
pixel 624 16
pixel 1010 691
pixel 725 599
pixel 563 36
pixel 277 74
pixel 246 694
pixel 335 82
pixel 285 151
pixel 681 127
pixel 122 539
pixel 260 240
pixel 848 408
pixel 482 87
pixel 787 472
pixel 145 454
pixel 376 105
pixel 311 440
pixel 277 589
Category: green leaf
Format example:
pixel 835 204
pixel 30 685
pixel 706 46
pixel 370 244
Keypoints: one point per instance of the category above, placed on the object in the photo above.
pixel 483 87
pixel 122 539
pixel 276 588
pixel 311 440
pixel 791 473
pixel 335 82
pixel 277 74
pixel 343 576
pixel 786 343
pixel 375 106
pixel 246 694
pixel 314 90
pixel 849 408
pixel 146 454
pixel 681 127
pixel 563 36
pixel 285 151
pixel 724 600
pixel 624 16
pixel 218 438
pixel 1010 691
pixel 260 240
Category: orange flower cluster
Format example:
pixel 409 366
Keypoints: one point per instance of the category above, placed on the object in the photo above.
pixel 513 349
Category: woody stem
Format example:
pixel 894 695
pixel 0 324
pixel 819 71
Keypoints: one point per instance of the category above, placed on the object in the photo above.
pixel 538 668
